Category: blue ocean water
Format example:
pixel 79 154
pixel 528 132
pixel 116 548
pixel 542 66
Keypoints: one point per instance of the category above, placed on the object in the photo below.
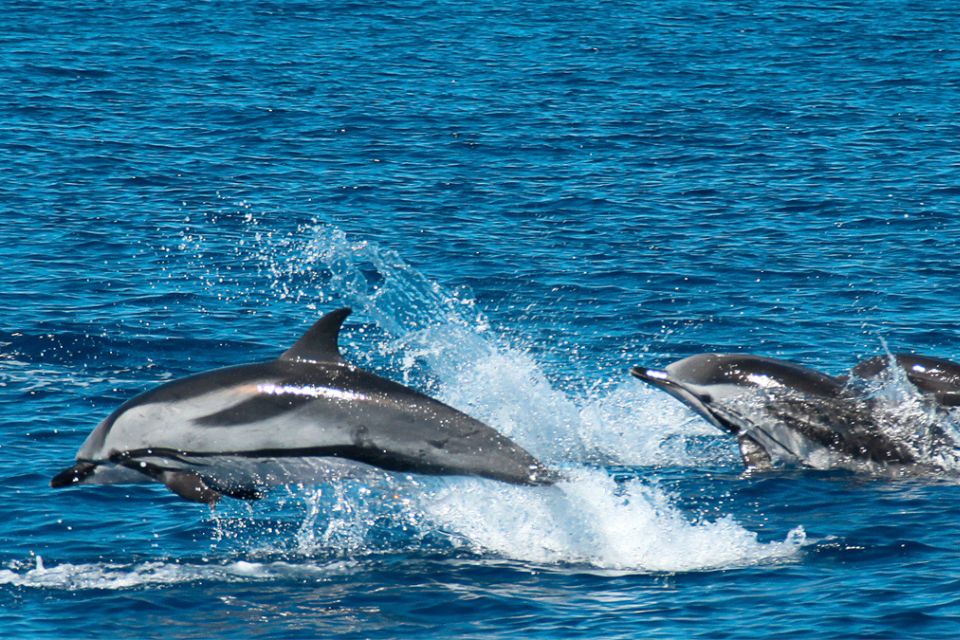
pixel 520 201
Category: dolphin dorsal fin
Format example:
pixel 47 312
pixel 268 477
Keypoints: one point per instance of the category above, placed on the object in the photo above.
pixel 319 343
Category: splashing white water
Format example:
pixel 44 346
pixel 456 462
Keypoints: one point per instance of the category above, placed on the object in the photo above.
pixel 908 416
pixel 117 576
pixel 445 336
pixel 589 519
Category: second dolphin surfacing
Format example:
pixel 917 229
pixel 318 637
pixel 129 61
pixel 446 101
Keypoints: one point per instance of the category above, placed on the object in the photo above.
pixel 303 417
pixel 785 414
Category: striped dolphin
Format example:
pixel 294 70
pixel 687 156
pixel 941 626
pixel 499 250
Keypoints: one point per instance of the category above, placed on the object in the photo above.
pixel 303 417
pixel 784 413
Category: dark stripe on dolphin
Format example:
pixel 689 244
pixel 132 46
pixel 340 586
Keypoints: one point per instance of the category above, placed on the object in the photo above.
pixel 261 407
pixel 382 458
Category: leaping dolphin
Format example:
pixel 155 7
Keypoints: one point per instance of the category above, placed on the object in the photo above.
pixel 305 416
pixel 781 412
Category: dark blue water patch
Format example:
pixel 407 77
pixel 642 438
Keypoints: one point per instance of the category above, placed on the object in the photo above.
pixel 60 348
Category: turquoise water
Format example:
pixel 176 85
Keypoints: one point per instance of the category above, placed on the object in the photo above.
pixel 520 202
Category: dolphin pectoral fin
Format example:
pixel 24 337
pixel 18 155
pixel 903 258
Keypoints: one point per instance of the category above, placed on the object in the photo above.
pixel 754 456
pixel 74 475
pixel 190 486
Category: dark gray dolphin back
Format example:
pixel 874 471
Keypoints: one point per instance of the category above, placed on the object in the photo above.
pixel 936 376
pixel 749 370
pixel 786 399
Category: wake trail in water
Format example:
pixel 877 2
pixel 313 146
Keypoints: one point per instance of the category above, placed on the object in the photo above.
pixel 118 576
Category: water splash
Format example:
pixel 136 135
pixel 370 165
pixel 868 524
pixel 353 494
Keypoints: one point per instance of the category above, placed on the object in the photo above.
pixel 119 576
pixel 352 519
pixel 908 416
pixel 590 520
pixel 440 342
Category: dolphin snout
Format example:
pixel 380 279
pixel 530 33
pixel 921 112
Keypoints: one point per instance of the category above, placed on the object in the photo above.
pixel 74 475
pixel 656 377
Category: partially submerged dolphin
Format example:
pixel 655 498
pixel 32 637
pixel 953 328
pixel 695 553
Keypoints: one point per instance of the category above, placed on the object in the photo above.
pixel 303 417
pixel 936 377
pixel 783 413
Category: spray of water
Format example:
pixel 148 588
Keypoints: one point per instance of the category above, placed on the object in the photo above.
pixel 116 576
pixel 906 415
pixel 441 342
pixel 588 519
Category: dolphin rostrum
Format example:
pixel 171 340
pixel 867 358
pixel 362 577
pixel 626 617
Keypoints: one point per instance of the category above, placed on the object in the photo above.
pixel 783 413
pixel 305 416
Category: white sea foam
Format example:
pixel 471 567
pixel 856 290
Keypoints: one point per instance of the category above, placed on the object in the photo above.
pixel 117 576
pixel 590 520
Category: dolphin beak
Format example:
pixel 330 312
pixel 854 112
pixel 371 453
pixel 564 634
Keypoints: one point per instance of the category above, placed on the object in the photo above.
pixel 656 377
pixel 699 403
pixel 74 475
pixel 662 380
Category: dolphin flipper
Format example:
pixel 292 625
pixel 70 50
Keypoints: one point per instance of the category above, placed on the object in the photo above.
pixel 190 486
pixel 755 457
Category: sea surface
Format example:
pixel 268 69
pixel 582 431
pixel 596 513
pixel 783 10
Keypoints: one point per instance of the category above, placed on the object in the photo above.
pixel 520 201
